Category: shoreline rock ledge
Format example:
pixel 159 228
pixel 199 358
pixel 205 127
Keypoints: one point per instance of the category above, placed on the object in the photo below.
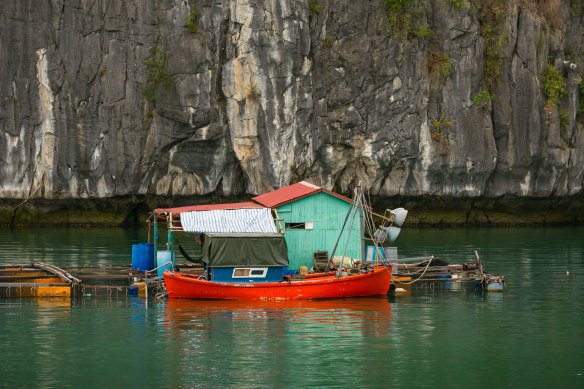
pixel 470 112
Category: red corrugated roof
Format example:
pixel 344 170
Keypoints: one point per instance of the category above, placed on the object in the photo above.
pixel 209 207
pixel 272 199
pixel 291 193
pixel 339 196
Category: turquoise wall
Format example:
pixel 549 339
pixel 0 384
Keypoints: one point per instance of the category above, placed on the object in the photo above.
pixel 327 214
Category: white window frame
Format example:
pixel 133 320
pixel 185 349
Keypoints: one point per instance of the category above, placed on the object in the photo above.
pixel 249 275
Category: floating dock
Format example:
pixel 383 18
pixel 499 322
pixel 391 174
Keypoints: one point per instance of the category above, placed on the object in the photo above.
pixel 35 280
pixel 411 275
pixel 47 280
pixel 431 274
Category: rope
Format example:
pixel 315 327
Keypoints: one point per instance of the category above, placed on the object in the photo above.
pixel 160 292
pixel 421 275
pixel 340 233
pixel 186 255
pixel 356 207
pixel 18 206
pixel 370 228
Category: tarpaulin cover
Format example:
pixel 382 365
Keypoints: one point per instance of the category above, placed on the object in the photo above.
pixel 227 250
pixel 258 220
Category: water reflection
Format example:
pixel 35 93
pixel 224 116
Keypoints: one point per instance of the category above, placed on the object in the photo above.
pixel 283 334
pixel 528 336
pixel 360 313
pixel 69 246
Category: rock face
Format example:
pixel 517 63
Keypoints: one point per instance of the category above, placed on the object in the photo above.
pixel 109 98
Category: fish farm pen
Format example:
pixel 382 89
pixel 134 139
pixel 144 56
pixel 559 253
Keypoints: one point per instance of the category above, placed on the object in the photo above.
pixel 410 276
pixel 46 280
pixel 431 274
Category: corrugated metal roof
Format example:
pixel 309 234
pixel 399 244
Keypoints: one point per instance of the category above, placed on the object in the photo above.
pixel 339 196
pixel 291 193
pixel 229 221
pixel 209 207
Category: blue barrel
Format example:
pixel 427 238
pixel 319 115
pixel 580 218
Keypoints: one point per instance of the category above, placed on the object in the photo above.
pixel 143 256
pixel 163 261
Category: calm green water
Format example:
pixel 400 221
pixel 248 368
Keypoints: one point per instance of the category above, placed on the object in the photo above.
pixel 532 335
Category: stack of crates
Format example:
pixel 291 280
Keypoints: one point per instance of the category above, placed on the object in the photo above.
pixel 320 261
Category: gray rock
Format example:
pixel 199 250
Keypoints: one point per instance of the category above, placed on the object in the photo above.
pixel 265 93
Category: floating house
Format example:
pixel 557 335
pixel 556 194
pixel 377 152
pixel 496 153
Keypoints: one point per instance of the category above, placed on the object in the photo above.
pixel 312 218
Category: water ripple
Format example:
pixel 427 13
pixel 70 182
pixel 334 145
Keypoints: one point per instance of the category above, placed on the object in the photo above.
pixel 528 336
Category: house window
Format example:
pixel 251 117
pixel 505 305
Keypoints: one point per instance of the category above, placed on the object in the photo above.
pixel 300 226
pixel 248 272
pixel 295 226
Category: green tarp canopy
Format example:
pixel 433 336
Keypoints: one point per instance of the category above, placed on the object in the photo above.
pixel 228 250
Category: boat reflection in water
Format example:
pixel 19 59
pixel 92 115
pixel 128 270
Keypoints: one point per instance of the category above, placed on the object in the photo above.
pixel 353 314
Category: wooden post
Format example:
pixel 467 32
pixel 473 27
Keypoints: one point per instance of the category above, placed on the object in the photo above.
pixel 280 229
pixel 146 288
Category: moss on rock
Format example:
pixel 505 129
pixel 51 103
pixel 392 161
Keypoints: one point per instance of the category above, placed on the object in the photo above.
pixel 500 211
pixel 423 210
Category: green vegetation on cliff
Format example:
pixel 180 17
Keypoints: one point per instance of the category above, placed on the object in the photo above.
pixel 192 24
pixel 554 85
pixel 492 23
pixel 158 77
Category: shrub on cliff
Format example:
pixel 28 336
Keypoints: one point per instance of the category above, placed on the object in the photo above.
pixel 554 85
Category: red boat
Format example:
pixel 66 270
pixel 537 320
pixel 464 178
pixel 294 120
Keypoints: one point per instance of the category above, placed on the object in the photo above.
pixel 372 283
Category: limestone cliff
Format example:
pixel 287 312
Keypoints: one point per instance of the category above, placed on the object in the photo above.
pixel 463 98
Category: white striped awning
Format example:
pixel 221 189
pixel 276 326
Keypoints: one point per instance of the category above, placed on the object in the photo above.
pixel 251 220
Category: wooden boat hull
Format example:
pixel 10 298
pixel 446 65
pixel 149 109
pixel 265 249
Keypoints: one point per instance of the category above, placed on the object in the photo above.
pixel 373 283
